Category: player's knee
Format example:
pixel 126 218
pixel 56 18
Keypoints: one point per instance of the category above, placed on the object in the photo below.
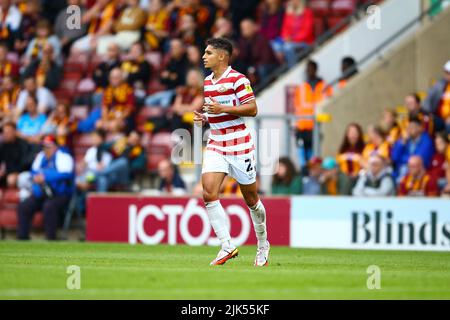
pixel 210 196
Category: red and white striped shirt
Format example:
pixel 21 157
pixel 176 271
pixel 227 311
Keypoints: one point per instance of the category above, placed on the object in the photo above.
pixel 229 135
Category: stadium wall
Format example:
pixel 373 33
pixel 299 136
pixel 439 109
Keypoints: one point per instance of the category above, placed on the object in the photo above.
pixel 412 67
pixel 303 222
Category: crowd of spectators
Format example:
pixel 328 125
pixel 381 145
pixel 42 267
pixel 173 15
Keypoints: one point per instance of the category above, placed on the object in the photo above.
pixel 405 154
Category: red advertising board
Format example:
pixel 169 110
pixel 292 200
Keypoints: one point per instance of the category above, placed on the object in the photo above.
pixel 178 220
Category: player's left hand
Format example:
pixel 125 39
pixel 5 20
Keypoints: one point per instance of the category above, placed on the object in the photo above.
pixel 213 108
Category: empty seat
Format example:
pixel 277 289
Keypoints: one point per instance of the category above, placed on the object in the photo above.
pixel 320 7
pixel 343 7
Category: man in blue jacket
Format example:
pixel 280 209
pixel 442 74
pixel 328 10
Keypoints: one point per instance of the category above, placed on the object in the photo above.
pixel 416 142
pixel 53 184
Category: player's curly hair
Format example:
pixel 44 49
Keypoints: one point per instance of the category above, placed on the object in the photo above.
pixel 221 43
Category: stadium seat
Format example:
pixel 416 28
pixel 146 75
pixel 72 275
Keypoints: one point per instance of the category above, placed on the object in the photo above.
pixel 93 63
pixel 321 8
pixel 163 138
pixel 145 113
pixel 156 153
pixel 155 86
pixel 319 26
pixel 334 21
pixel 343 7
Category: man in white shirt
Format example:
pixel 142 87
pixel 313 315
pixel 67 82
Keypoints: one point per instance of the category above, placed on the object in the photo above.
pixel 46 99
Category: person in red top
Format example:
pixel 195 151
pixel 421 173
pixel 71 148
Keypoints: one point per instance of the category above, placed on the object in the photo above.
pixel 7 68
pixel 297 31
pixel 417 183
pixel 440 163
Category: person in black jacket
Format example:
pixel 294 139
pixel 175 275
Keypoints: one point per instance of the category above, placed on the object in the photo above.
pixel 15 156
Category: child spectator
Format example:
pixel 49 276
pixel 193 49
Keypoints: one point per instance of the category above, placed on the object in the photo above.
pixel 376 145
pixel 286 180
pixel 390 125
pixel 333 181
pixel 61 125
pixel 311 183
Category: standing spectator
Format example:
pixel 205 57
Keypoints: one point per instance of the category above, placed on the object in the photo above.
pixel 117 105
pixel 376 181
pixel 438 99
pixel 377 144
pixel 45 69
pixel 255 51
pixel 350 151
pixel 127 28
pixel 15 156
pixel 43 36
pixel 46 99
pixel 171 181
pixel 29 125
pixel 416 182
pixel 440 163
pixel 52 174
pixel 67 36
pixel 7 68
pixel 286 180
pixel 307 96
pixel 415 142
pixel 101 72
pixel 297 32
pixel 311 183
pixel 11 18
pixel 129 159
pixel 157 27
pixel 172 76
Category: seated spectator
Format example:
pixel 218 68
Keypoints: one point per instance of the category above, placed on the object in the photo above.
pixel 61 125
pixel 46 71
pixel 7 68
pixel 52 176
pixel 66 35
pixel 230 187
pixel 195 59
pixel 223 28
pixel 440 163
pixel 333 181
pixel 96 159
pixel 376 144
pixel 100 19
pixel 157 27
pixel 350 151
pixel 376 181
pixel 349 69
pixel 129 159
pixel 200 13
pixel 103 69
pixel 188 32
pixel 35 49
pixel 31 14
pixel 136 69
pixel 127 28
pixel 8 98
pixel 413 104
pixel 286 180
pixel 271 20
pixel 255 51
pixel 15 156
pixel 117 105
pixel 188 99
pixel 416 182
pixel 30 124
pixel 438 99
pixel 311 183
pixel 171 181
pixel 297 31
pixel 46 99
pixel 415 142
pixel 172 76
pixel 10 26
pixel 389 124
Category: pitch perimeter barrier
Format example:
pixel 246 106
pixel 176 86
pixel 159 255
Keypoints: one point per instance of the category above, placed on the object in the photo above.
pixel 303 222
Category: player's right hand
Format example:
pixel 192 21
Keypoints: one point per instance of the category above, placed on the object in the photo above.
pixel 199 118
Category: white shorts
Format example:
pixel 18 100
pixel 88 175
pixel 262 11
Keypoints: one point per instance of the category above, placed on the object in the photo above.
pixel 241 167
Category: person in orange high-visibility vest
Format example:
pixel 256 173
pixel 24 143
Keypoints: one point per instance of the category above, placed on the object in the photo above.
pixel 307 96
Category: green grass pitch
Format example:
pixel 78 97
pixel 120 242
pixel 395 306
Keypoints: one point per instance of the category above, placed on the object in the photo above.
pixel 37 270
